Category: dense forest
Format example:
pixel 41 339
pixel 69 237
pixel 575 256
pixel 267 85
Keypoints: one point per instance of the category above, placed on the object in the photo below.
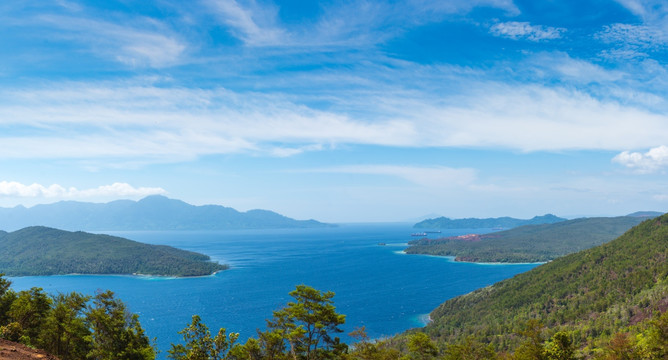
pixel 529 243
pixel 45 251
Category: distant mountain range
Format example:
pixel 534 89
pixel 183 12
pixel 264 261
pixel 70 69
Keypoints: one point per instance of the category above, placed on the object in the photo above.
pixel 151 213
pixel 488 223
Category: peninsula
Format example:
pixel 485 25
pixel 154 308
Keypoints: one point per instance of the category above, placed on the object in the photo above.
pixel 529 243
pixel 41 250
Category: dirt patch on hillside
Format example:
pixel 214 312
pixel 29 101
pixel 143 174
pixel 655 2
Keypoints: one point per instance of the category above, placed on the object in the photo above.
pixel 13 351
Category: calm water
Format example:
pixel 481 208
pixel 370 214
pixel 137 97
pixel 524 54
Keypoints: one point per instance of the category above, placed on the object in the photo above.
pixel 376 286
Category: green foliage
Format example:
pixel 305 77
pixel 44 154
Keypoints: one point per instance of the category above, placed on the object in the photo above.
pixel 420 347
pixel 199 345
pixel 65 332
pixel 590 295
pixel 367 350
pixel 45 251
pixel 308 324
pixel 116 334
pixel 531 243
pixel 29 310
pixel 470 349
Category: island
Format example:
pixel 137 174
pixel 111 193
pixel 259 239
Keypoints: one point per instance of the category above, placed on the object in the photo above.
pixel 529 243
pixel 39 250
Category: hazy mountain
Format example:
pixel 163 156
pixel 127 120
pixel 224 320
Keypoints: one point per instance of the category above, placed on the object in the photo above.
pixel 151 213
pixel 488 223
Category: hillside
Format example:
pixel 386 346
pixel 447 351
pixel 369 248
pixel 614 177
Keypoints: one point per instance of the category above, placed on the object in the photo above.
pixel 530 243
pixel 45 251
pixel 488 223
pixel 151 213
pixel 592 295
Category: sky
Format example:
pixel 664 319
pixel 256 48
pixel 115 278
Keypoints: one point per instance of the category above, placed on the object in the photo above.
pixel 340 111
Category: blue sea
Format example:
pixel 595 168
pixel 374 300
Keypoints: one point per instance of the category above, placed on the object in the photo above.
pixel 376 286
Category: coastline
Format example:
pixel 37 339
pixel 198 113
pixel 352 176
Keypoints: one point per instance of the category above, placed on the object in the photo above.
pixel 135 275
pixel 454 259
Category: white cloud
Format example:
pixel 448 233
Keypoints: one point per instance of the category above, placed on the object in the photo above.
pixel 144 43
pixel 16 189
pixel 652 161
pixel 523 30
pixel 142 122
pixel 640 36
pixel 254 25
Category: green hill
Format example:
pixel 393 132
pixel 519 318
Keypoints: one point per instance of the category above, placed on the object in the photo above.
pixel 530 243
pixel 591 295
pixel 488 223
pixel 45 251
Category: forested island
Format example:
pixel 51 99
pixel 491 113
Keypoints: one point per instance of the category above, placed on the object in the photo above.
pixel 604 303
pixel 41 250
pixel 529 243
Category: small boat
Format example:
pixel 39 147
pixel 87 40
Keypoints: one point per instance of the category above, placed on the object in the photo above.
pixel 382 244
pixel 419 234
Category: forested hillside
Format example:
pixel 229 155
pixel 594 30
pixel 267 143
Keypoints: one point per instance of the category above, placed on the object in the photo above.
pixel 530 243
pixel 45 251
pixel 595 297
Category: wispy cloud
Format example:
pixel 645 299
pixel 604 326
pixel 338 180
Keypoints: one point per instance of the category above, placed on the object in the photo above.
pixel 147 44
pixel 142 120
pixel 654 160
pixel 16 189
pixel 350 23
pixel 525 31
pixel 255 25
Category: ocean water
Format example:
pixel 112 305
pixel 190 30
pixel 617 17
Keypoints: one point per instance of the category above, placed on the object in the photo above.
pixel 376 286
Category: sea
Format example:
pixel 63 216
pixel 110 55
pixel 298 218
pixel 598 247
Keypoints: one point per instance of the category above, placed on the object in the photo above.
pixel 377 285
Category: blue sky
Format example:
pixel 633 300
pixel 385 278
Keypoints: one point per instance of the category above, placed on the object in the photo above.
pixel 341 111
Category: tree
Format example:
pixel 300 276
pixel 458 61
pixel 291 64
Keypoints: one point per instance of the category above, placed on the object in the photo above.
pixel 421 347
pixel 29 311
pixel 65 333
pixel 308 325
pixel 7 297
pixel 370 350
pixel 116 334
pixel 470 349
pixel 199 345
pixel 532 347
pixel 560 347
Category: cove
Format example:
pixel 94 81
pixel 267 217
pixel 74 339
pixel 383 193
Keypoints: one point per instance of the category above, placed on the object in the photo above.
pixel 376 285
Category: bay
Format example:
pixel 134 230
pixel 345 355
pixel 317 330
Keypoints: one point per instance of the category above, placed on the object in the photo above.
pixel 376 286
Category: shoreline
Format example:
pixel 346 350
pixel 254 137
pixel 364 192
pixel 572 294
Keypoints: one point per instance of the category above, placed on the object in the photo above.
pixel 135 275
pixel 453 259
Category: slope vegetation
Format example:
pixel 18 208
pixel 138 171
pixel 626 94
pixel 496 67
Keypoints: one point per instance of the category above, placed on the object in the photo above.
pixel 531 243
pixel 591 295
pixel 45 251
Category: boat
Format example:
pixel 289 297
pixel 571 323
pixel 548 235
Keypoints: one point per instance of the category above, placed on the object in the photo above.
pixel 419 234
